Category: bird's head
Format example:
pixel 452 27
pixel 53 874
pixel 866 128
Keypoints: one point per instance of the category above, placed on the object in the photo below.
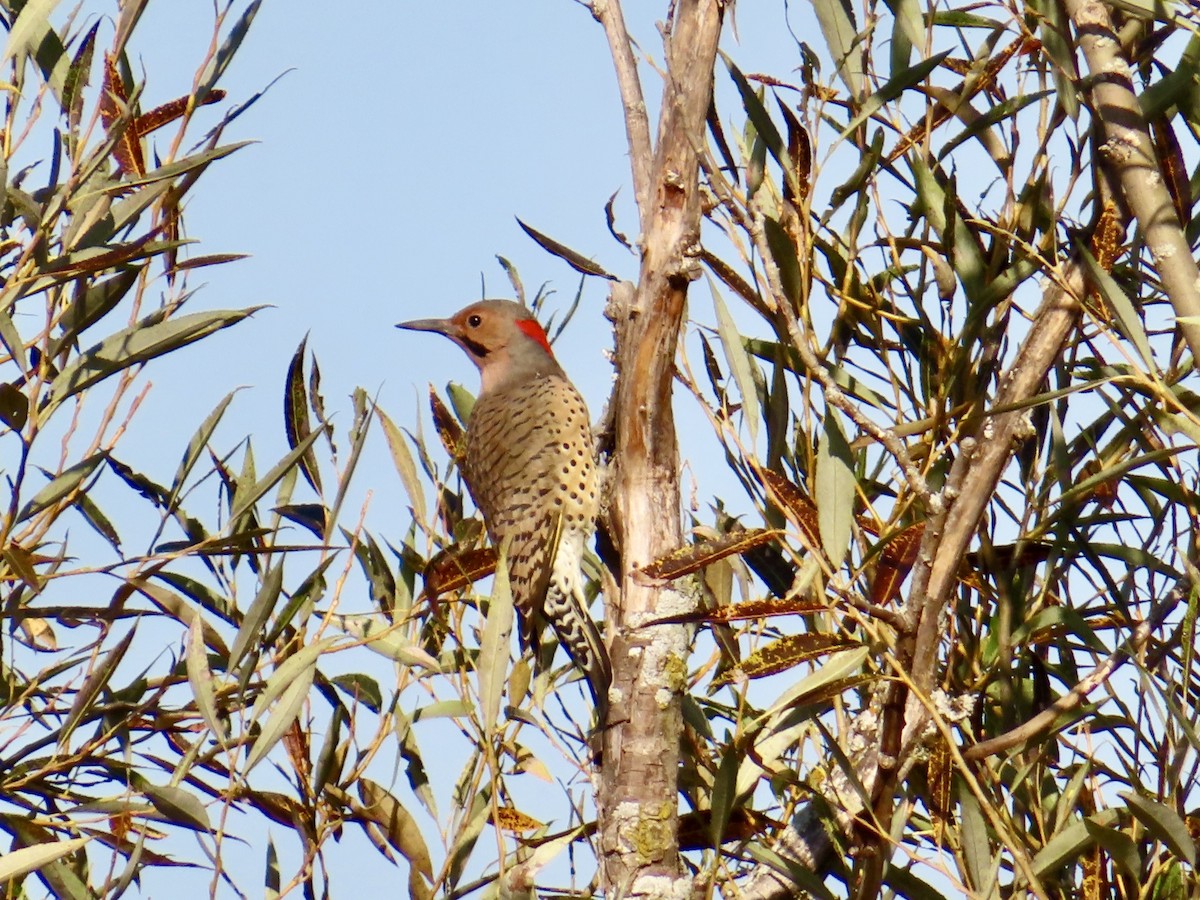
pixel 502 338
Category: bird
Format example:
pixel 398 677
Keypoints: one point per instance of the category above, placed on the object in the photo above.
pixel 530 468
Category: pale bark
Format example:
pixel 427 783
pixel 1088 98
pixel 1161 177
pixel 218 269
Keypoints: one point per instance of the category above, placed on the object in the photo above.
pixel 1130 154
pixel 638 783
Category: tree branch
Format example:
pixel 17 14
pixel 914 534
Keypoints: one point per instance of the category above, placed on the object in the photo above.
pixel 943 548
pixel 637 125
pixel 638 797
pixel 1129 151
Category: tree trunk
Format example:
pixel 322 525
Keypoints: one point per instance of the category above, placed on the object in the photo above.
pixel 638 791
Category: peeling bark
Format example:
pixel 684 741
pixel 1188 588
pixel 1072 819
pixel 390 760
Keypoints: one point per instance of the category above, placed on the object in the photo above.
pixel 638 786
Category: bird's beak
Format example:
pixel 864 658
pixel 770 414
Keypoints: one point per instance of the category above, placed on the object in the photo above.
pixel 440 326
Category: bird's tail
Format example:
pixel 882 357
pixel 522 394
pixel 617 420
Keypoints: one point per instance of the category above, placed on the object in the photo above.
pixel 567 614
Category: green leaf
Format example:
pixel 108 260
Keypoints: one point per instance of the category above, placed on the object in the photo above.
pixel 576 261
pixel 995 114
pixel 97 679
pixel 289 684
pixel 97 302
pixel 494 647
pixel 95 517
pixel 61 487
pixel 200 677
pixel 739 363
pixel 251 495
pixel 1119 845
pixel 1118 301
pixel 398 826
pixel 16 863
pixel 406 468
pixel 835 489
pixel 227 50
pixel 836 668
pixel 30 29
pixel 257 615
pixel 1164 823
pixel 757 113
pixel 724 793
pixel 272 881
pixel 137 344
pixel 975 842
pixel 1070 841
pixel 783 253
pixel 908 32
pixel 14 406
pixel 965 255
pixel 836 19
pixel 892 89
pixel 177 806
pixel 195 448
pixel 362 689
pixel 295 415
pixel 381 636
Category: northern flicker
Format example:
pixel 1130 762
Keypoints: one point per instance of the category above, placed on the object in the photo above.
pixel 530 468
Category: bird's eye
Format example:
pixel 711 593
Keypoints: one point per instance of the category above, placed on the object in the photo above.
pixel 475 321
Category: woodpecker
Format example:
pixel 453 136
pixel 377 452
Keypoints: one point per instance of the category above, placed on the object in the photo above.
pixel 531 471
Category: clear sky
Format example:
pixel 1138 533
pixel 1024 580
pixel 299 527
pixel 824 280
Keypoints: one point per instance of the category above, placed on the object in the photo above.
pixel 393 156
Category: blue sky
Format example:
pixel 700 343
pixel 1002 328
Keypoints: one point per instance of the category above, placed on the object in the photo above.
pixel 393 156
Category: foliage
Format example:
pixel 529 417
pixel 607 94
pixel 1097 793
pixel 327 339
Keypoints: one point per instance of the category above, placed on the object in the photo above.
pixel 872 297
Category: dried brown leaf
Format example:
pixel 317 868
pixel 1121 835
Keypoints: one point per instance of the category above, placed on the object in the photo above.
pixel 784 654
pixel 939 776
pixel 795 505
pixel 751 609
pixel 895 562
pixel 965 91
pixel 448 429
pixel 114 104
pixel 693 557
pixel 512 820
pixel 1174 168
pixel 455 568
pixel 695 828
pixel 169 112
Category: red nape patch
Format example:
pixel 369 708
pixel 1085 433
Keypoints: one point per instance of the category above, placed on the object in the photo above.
pixel 534 330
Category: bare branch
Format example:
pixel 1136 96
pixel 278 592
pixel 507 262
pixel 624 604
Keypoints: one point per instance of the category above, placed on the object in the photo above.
pixel 637 126
pixel 1044 720
pixel 1127 148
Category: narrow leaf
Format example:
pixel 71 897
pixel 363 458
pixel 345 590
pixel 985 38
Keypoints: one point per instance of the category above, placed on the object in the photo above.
pixel 784 654
pixel 138 344
pixel 455 568
pixel 200 677
pixel 576 261
pixel 835 489
pixel 398 826
pixel 16 863
pixel 694 557
pixel 494 653
pixel 295 415
pixel 406 468
pixel 1164 823
pixel 836 19
pixel 247 498
pixel 257 615
pixel 739 362
pixel 61 487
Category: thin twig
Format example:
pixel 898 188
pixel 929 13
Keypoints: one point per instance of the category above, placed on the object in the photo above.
pixel 1044 720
